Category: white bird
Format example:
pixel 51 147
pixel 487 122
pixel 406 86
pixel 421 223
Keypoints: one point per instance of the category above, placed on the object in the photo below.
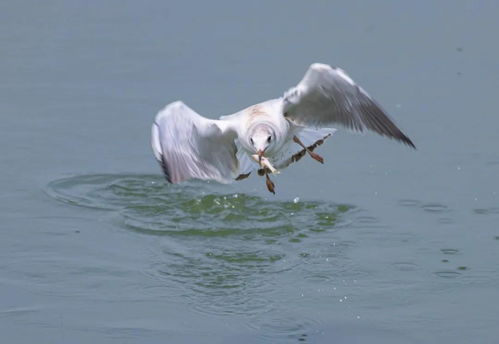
pixel 266 136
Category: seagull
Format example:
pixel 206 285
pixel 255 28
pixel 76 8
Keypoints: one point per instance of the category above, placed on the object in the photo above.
pixel 269 136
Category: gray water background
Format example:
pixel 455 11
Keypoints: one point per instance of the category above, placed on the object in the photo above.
pixel 381 244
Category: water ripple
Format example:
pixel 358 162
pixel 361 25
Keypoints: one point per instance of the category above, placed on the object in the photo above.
pixel 151 206
pixel 432 207
pixel 219 250
pixel 486 211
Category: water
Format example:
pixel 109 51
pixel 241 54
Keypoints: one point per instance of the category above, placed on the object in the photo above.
pixel 381 244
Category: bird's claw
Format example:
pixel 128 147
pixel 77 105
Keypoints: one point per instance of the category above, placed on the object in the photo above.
pixel 316 157
pixel 243 176
pixel 310 149
pixel 270 184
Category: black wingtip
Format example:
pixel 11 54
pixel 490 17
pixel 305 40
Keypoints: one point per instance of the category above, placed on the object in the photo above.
pixel 164 167
pixel 407 141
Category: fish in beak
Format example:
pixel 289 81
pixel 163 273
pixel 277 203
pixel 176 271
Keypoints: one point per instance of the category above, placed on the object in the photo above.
pixel 264 162
pixel 260 155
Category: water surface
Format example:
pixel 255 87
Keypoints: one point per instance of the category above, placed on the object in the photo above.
pixel 381 244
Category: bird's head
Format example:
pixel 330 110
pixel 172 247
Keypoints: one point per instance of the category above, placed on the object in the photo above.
pixel 261 138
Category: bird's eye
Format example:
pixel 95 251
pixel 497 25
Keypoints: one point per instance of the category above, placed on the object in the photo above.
pixel 269 139
pixel 251 140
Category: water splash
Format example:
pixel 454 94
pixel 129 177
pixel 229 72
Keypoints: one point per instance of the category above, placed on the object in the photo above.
pixel 221 250
pixel 151 206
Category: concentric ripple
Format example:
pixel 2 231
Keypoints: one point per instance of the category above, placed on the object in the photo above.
pixel 151 206
pixel 221 250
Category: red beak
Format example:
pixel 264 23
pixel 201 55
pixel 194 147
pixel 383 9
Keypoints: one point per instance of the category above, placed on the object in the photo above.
pixel 260 154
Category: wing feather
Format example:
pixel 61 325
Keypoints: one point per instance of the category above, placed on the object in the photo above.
pixel 188 145
pixel 327 96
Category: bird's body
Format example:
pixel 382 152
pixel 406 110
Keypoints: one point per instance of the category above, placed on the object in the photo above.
pixel 267 136
pixel 258 118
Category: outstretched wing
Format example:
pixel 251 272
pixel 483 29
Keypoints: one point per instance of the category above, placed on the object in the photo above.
pixel 327 96
pixel 188 145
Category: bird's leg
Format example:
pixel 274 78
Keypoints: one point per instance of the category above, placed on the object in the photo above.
pixel 312 154
pixel 270 184
pixel 243 176
pixel 266 168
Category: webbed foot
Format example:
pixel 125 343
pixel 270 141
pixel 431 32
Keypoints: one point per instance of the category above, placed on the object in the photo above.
pixel 310 149
pixel 270 184
pixel 243 176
